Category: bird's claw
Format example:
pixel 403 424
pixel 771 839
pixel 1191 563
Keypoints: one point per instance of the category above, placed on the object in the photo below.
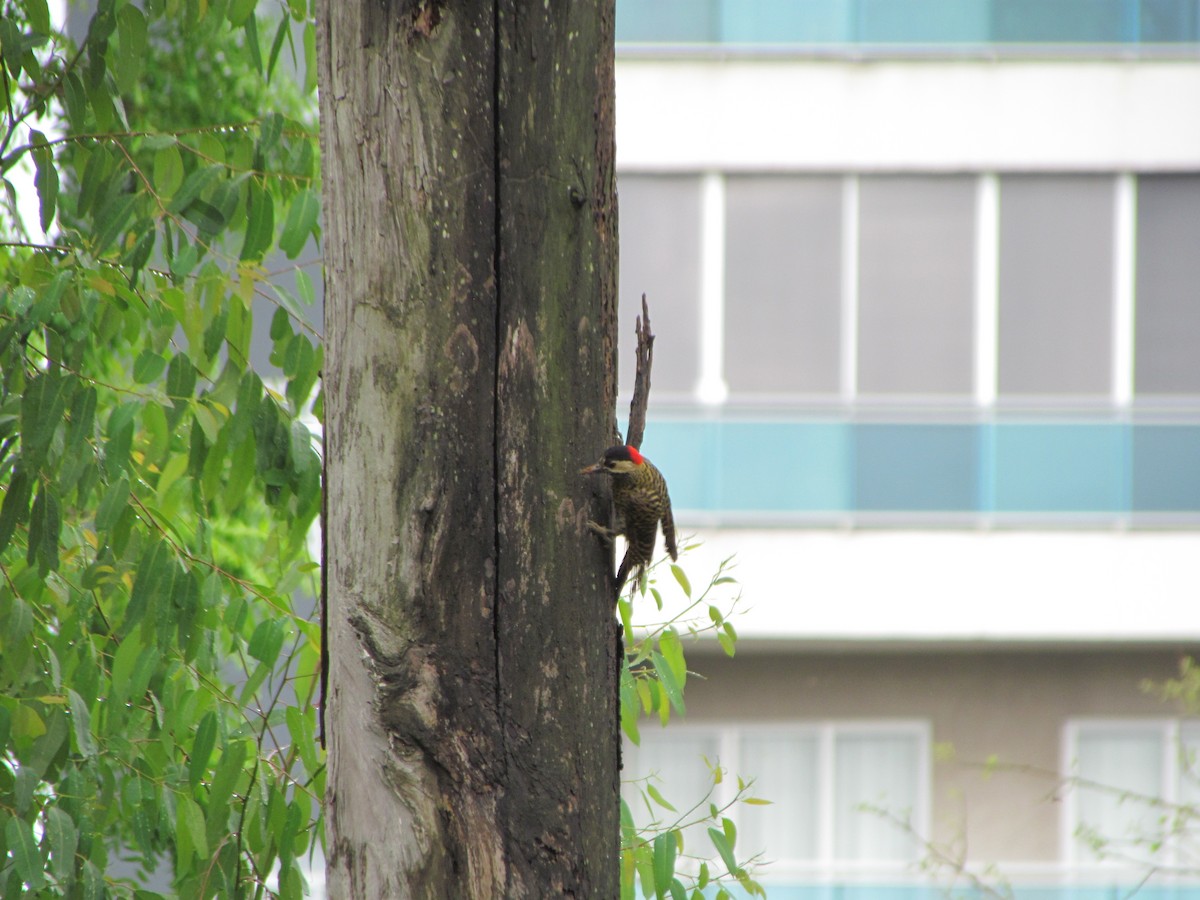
pixel 597 528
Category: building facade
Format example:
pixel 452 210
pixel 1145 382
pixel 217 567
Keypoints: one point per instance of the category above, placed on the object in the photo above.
pixel 926 284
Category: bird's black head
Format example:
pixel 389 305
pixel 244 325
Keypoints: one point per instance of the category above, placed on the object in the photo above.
pixel 618 460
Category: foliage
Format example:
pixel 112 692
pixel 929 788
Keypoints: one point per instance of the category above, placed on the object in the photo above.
pixel 156 678
pixel 653 679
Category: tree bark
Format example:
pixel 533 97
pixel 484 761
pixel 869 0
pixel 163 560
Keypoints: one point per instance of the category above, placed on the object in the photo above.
pixel 470 249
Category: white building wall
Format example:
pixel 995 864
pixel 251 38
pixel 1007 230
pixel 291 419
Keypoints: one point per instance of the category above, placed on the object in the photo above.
pixel 814 587
pixel 708 113
pixel 756 114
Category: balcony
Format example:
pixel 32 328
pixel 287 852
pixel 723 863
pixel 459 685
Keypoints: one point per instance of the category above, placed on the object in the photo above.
pixel 887 25
pixel 728 470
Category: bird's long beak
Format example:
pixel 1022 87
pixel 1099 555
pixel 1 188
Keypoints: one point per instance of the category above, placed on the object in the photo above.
pixel 593 469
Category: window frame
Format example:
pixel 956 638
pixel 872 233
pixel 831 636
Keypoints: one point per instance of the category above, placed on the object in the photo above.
pixel 1074 856
pixel 826 865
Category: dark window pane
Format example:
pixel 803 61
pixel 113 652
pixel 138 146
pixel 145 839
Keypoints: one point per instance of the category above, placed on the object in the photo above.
pixel 916 285
pixel 1167 333
pixel 1056 284
pixel 660 256
pixel 783 284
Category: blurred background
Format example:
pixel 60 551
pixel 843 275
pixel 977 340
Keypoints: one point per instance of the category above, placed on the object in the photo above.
pixel 924 278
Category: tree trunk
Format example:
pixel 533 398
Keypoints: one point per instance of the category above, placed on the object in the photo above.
pixel 470 250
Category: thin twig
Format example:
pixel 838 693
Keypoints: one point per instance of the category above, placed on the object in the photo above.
pixel 641 379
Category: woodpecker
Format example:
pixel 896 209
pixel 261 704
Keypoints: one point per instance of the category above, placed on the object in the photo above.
pixel 640 501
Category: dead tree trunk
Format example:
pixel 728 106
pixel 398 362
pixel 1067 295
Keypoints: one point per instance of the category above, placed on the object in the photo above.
pixel 470 249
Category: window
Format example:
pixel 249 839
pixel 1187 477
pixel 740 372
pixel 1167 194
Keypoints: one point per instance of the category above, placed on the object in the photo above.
pixel 1167 330
pixel 783 261
pixel 660 257
pixel 1127 778
pixel 1056 284
pixel 839 791
pixel 916 285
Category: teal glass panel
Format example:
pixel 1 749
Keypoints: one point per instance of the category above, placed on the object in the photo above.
pixel 667 21
pixel 1010 467
pixel 851 891
pixel 923 21
pixel 907 22
pixel 786 21
pixel 919 468
pixel 1041 467
pixel 689 454
pixel 1166 468
pixel 801 467
pixel 1169 21
pixel 1064 21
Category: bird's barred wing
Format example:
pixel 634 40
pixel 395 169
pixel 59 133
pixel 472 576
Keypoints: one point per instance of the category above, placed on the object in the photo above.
pixel 668 526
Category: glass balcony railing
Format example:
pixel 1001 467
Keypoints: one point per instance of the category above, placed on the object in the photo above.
pixel 1113 891
pixel 1025 471
pixel 913 23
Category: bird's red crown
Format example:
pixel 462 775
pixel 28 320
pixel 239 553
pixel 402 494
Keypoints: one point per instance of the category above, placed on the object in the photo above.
pixel 636 458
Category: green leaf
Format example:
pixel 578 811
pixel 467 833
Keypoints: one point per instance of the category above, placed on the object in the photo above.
pixel 269 132
pixel 38 12
pixel 168 171
pixel 251 26
pixel 44 524
pixel 260 222
pixel 111 221
pixel 664 861
pixel 81 723
pixel 92 882
pixel 207 420
pixel 119 433
pixel 238 11
pixel 730 830
pixel 25 855
pixel 45 180
pixel 41 413
pixel 202 748
pixel 672 651
pixel 151 586
pixel 113 504
pixel 300 222
pixel 266 642
pixel 123 662
pixel 63 838
pixel 310 58
pixel 658 798
pixel 241 473
pixel 281 32
pixel 15 510
pixel 300 730
pixel 131 40
pixel 197 181
pixel 666 677
pixel 682 578
pixel 721 844
pixel 148 366
pixel 76 100
pixel 190 838
pixel 228 769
